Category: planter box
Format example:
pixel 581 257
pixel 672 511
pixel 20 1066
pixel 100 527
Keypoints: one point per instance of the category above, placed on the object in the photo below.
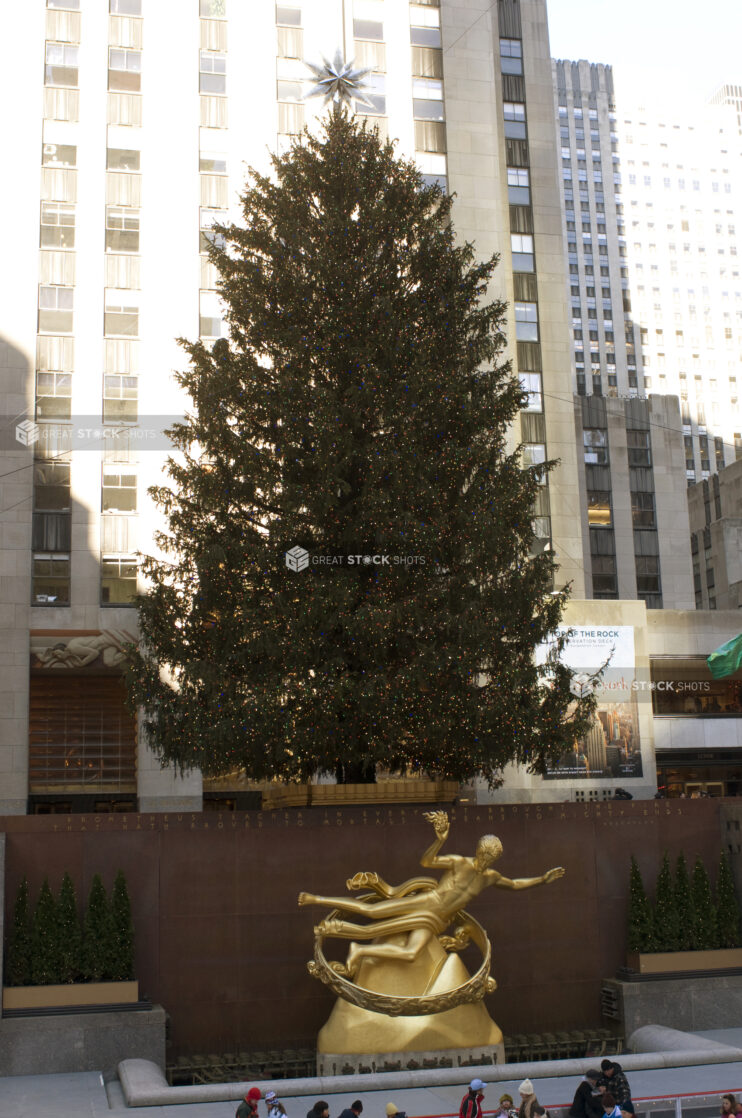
pixel 670 962
pixel 75 993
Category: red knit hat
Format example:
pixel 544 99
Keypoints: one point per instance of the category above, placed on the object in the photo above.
pixel 253 1093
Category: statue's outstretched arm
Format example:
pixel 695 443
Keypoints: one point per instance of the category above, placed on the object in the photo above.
pixel 496 878
pixel 430 858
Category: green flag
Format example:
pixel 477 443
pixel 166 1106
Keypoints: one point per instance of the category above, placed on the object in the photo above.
pixel 726 659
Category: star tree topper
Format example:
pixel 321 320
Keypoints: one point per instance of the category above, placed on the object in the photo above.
pixel 339 81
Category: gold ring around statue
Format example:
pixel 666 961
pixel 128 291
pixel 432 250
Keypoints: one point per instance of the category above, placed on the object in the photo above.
pixel 473 990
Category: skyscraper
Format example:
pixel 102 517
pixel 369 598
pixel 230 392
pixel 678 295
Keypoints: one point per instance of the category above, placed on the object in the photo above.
pixel 130 133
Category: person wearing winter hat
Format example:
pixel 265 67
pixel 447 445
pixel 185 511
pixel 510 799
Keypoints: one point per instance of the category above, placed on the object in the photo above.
pixel 529 1104
pixel 393 1112
pixel 587 1103
pixel 505 1107
pixel 248 1108
pixel 471 1104
pixel 276 1109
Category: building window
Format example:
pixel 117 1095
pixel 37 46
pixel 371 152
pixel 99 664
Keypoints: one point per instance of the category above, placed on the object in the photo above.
pixel 288 16
pixel 291 43
pixel 424 109
pixel 124 70
pixel 61 64
pixel 126 7
pixel 212 72
pixel 521 247
pixel 210 315
pixel 518 186
pixel 425 36
pixel 430 136
pixel 290 118
pixel 122 229
pixel 642 510
pixel 511 56
pixel 57 225
pixel 534 456
pixel 53 395
pixel 647 574
pixel 531 383
pixel 55 310
pixel 595 443
pixel 427 62
pixel 119 493
pixel 289 91
pixel 368 29
pixel 50 580
pixel 639 448
pixel 120 396
pixel 67 5
pixel 604 576
pixel 58 155
pixel 118 580
pixel 122 159
pixel 208 219
pixel 121 319
pixel 526 322
pixel 599 508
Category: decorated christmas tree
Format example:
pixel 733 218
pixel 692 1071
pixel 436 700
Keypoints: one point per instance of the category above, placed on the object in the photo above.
pixel 45 944
pixel 70 933
pixel 704 909
pixel 18 959
pixel 641 925
pixel 98 935
pixel 683 905
pixel 727 906
pixel 123 931
pixel 665 912
pixel 353 424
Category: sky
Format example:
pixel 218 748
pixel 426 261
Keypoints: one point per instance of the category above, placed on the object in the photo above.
pixel 660 50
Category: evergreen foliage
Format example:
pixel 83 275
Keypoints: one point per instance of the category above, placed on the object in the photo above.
pixel 17 971
pixel 665 912
pixel 641 929
pixel 123 931
pixel 683 905
pixel 70 932
pixel 45 946
pixel 704 909
pixel 359 407
pixel 98 935
pixel 727 906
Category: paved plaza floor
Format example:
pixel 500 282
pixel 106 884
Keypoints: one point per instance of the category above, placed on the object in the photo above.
pixel 84 1095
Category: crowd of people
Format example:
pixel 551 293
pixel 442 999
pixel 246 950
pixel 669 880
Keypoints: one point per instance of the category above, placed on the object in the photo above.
pixel 603 1093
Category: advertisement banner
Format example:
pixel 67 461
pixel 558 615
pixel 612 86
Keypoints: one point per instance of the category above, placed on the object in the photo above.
pixel 612 748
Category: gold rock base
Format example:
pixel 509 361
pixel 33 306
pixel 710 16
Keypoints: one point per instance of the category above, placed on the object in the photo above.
pixel 352 1031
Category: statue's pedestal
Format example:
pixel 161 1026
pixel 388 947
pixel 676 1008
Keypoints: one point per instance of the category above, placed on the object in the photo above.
pixel 354 1038
pixel 364 1063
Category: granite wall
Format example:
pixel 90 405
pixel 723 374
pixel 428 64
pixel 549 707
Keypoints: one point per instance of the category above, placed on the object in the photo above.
pixel 222 945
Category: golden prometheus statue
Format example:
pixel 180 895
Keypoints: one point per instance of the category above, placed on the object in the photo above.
pixel 410 971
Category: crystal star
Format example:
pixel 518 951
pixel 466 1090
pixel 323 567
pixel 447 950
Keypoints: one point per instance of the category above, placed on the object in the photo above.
pixel 339 82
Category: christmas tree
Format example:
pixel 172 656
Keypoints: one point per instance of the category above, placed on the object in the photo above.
pixel 704 909
pixel 665 913
pixel 98 935
pixel 70 933
pixel 727 907
pixel 45 946
pixel 358 413
pixel 18 958
pixel 641 926
pixel 683 905
pixel 123 931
